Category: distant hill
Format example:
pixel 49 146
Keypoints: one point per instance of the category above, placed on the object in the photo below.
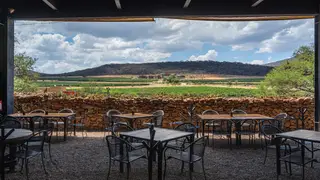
pixel 278 63
pixel 193 67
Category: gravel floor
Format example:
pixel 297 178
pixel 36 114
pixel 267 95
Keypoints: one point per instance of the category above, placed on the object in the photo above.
pixel 87 159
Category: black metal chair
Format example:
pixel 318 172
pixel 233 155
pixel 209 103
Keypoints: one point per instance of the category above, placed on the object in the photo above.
pixel 268 132
pixel 128 156
pixel 294 157
pixel 117 128
pixel 181 143
pixel 248 127
pixel 58 123
pixel 11 122
pixel 80 122
pixel 224 129
pixel 27 152
pixel 37 111
pixel 113 120
pixel 185 156
pixel 157 119
pixel 37 124
pixel 5 160
pixel 210 124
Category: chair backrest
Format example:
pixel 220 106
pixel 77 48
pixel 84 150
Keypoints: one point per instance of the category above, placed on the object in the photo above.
pixel 114 144
pixel 238 111
pixel 38 123
pixel 209 111
pixel 66 110
pixel 199 146
pixel 158 118
pixel 279 120
pixel 111 119
pixel 36 137
pixel 11 122
pixel 269 131
pixel 187 127
pixel 38 111
pixel 120 127
pixel 225 126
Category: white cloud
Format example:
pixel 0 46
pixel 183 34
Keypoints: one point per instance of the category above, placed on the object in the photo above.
pixel 209 56
pixel 258 62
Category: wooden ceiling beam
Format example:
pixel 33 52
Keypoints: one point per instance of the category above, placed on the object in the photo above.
pixel 51 3
pixel 187 3
pixel 256 3
pixel 118 4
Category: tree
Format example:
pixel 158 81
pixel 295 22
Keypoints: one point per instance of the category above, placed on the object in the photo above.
pixel 294 77
pixel 24 74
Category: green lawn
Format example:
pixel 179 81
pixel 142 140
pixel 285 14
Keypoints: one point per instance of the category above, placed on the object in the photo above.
pixel 79 84
pixel 183 91
pixel 223 81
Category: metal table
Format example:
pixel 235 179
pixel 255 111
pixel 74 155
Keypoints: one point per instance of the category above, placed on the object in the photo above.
pixel 63 116
pixel 302 135
pixel 163 136
pixel 131 118
pixel 17 137
pixel 236 119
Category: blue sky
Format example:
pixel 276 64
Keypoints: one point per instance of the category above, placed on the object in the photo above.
pixel 68 46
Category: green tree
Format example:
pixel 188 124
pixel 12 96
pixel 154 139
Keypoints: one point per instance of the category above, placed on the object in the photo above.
pixel 172 79
pixel 294 77
pixel 24 76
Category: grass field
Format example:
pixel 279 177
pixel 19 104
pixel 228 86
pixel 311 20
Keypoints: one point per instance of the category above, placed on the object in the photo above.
pixel 97 79
pixel 194 91
pixel 81 84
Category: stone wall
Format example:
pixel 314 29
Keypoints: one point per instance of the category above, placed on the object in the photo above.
pixel 172 107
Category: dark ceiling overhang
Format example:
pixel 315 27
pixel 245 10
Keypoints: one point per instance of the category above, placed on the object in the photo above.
pixel 123 10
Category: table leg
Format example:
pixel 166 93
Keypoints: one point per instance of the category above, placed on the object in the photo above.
pixel 278 142
pixel 65 129
pixel 203 123
pixel 160 156
pixel 121 154
pixel 302 159
pixel 238 129
pixel 191 152
pixel 12 152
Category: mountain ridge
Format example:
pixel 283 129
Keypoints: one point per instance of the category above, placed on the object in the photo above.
pixel 191 67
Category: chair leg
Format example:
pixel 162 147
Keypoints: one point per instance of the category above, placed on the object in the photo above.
pixel 190 172
pixel 182 167
pixel 303 172
pixel 165 168
pixel 27 168
pixel 109 168
pixel 22 163
pixel 44 167
pixel 204 172
pixel 49 149
pixel 265 155
pixel 128 170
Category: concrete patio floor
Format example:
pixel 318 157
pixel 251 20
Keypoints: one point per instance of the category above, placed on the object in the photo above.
pixel 86 159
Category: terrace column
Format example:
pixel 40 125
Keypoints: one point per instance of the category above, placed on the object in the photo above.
pixel 6 61
pixel 316 72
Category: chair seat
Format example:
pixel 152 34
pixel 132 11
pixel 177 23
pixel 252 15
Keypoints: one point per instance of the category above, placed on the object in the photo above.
pixel 213 124
pixel 22 154
pixel 295 158
pixel 177 122
pixel 176 144
pixel 148 124
pixel 185 157
pixel 132 157
pixel 78 125
pixel 59 123
pixel 283 147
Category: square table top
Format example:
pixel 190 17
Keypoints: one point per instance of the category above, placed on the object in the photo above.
pixel 135 116
pixel 234 117
pixel 49 115
pixel 307 135
pixel 162 134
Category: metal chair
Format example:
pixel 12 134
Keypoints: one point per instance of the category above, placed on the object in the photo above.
pixel 113 120
pixel 37 124
pixel 294 157
pixel 38 111
pixel 248 127
pixel 210 123
pixel 157 119
pixel 80 122
pixel 58 122
pixel 185 156
pixel 181 143
pixel 268 132
pixel 119 127
pixel 11 122
pixel 27 152
pixel 128 156
pixel 224 129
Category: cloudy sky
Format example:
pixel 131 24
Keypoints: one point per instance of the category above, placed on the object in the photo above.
pixel 64 46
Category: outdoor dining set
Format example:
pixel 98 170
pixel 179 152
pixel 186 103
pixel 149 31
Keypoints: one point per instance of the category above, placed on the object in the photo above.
pixel 133 136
